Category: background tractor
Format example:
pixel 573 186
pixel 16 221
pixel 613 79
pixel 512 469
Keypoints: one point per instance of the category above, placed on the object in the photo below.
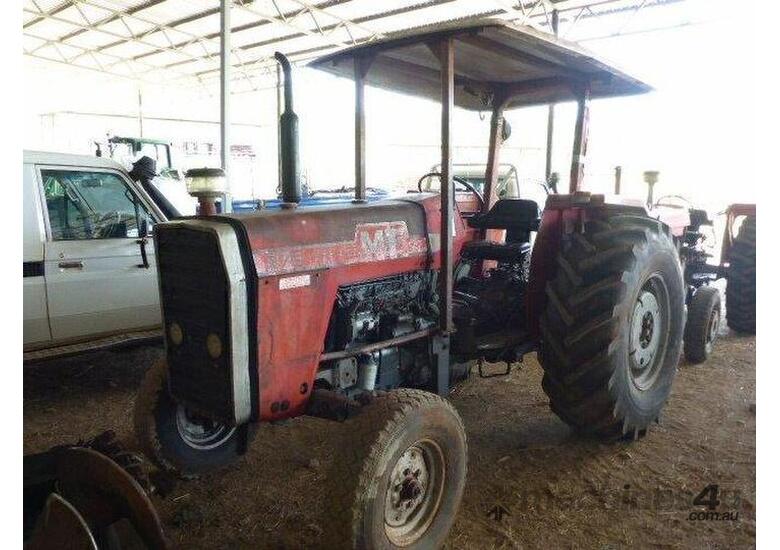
pixel 737 265
pixel 369 312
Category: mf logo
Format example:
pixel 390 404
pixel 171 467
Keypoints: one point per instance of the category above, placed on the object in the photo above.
pixel 382 241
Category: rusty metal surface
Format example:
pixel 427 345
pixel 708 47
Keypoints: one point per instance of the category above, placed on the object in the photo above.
pixel 104 493
pixel 368 348
pixel 302 259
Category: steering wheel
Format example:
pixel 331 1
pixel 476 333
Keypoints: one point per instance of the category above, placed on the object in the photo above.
pixel 108 223
pixel 465 183
pixel 685 202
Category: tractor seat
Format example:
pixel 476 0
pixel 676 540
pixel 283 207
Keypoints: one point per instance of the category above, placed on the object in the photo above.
pixel 509 253
pixel 517 216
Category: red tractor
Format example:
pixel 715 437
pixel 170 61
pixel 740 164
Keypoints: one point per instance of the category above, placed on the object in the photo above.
pixel 369 313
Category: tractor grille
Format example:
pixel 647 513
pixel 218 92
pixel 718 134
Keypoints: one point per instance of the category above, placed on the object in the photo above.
pixel 194 294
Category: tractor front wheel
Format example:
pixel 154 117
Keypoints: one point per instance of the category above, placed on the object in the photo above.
pixel 177 440
pixel 701 329
pixel 401 478
pixel 612 328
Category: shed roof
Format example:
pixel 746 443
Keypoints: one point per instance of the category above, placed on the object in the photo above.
pixel 491 56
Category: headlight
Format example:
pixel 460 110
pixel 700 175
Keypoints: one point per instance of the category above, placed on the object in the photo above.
pixel 175 334
pixel 214 345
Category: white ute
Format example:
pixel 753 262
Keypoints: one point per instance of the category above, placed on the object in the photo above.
pixel 89 262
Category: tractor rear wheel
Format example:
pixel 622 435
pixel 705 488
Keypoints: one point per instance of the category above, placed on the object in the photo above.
pixel 400 480
pixel 612 328
pixel 701 328
pixel 741 284
pixel 175 439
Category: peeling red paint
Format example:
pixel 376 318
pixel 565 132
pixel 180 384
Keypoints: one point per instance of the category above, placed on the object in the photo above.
pixel 371 242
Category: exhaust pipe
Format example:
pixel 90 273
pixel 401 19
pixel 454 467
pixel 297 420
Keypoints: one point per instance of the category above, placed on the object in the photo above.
pixel 288 123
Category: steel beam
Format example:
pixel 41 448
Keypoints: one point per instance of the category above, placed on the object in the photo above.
pixel 550 117
pixel 140 113
pixel 361 69
pixel 324 23
pixel 224 96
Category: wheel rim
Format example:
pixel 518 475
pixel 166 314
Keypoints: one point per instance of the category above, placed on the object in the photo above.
pixel 414 492
pixel 712 330
pixel 201 433
pixel 647 340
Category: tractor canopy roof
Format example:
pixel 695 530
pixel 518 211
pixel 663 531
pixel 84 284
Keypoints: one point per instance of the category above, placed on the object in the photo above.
pixel 122 139
pixel 493 59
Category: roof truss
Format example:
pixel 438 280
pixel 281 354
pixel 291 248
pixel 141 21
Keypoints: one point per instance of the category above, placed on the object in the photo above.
pixel 178 40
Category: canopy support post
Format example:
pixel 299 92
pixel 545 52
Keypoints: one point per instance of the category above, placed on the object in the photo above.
pixel 447 60
pixel 441 342
pixel 580 148
pixel 494 150
pixel 362 65
pixel 224 97
pixel 550 117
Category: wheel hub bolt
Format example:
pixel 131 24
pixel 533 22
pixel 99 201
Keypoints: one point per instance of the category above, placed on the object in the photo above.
pixel 410 489
pixel 646 334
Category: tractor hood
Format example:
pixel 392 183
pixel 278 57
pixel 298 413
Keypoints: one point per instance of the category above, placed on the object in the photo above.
pixel 320 238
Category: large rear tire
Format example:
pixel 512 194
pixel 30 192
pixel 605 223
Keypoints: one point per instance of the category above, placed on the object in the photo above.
pixel 176 440
pixel 401 477
pixel 741 284
pixel 613 325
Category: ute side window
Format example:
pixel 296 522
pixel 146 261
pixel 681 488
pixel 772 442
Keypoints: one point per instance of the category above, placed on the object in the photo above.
pixel 92 205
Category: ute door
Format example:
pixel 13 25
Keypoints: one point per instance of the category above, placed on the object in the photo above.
pixel 98 281
pixel 36 317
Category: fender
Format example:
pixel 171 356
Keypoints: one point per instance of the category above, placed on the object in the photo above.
pixel 564 214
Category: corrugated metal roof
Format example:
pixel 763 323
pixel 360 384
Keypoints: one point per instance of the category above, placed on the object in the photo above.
pixel 178 40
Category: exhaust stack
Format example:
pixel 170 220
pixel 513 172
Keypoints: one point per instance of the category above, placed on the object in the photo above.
pixel 288 123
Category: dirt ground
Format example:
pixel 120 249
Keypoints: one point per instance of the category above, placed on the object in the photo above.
pixel 557 490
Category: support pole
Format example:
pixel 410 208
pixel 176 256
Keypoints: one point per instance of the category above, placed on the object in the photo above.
pixel 580 147
pixel 618 177
pixel 550 116
pixel 361 68
pixel 494 149
pixel 447 60
pixel 224 96
pixel 140 113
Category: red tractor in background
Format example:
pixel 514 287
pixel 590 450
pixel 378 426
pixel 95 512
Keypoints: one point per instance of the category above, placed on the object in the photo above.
pixel 368 313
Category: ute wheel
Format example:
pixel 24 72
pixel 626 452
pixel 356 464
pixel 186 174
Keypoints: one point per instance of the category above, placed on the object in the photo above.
pixel 401 478
pixel 176 440
pixel 612 328
pixel 701 328
pixel 741 284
